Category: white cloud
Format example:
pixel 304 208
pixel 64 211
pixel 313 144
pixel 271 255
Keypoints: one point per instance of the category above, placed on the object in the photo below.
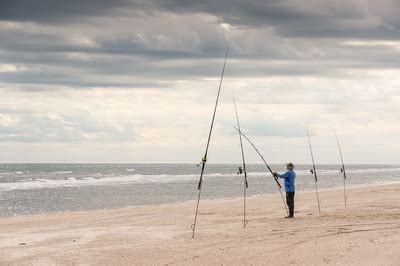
pixel 7 68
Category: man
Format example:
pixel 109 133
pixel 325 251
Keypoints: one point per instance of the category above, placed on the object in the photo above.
pixel 289 177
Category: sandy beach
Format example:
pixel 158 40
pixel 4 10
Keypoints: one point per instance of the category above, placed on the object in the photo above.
pixel 366 233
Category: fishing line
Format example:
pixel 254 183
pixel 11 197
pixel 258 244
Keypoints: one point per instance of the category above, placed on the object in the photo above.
pixel 314 170
pixel 269 168
pixel 245 185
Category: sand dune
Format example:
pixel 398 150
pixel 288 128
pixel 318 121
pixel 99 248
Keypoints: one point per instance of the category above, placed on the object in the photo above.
pixel 366 233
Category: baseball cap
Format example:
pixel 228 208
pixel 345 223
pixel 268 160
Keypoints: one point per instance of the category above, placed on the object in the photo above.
pixel 290 164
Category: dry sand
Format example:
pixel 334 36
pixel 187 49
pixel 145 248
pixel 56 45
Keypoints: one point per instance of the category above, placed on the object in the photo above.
pixel 366 233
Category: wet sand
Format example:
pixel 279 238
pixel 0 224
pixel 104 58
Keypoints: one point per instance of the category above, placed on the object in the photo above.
pixel 366 233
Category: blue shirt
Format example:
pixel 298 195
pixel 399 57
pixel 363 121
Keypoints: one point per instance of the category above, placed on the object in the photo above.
pixel 289 177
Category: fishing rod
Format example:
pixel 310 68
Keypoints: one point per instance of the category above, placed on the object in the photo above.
pixel 342 170
pixel 314 171
pixel 245 185
pixel 269 168
pixel 204 159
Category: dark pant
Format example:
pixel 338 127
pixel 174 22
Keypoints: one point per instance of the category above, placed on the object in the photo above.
pixel 290 202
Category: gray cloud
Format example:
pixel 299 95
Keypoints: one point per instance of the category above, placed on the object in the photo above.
pixel 309 18
pixel 48 10
pixel 136 43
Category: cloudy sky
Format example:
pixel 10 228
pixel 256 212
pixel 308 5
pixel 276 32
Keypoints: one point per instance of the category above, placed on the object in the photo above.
pixel 136 80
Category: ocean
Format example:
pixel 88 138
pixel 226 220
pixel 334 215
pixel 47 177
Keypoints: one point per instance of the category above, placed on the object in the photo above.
pixel 43 188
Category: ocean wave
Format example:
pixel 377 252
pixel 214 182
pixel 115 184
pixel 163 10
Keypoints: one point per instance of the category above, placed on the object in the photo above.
pixel 40 183
pixel 7 173
pixel 62 172
pixel 96 179
pixel 348 171
pixel 373 170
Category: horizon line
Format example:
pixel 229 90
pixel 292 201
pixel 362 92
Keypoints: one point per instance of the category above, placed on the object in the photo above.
pixel 195 163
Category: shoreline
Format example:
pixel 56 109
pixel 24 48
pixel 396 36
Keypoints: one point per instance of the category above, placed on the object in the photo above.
pixel 193 201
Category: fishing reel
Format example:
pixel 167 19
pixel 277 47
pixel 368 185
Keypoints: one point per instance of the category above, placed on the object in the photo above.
pixel 203 161
pixel 341 170
pixel 240 170
pixel 312 171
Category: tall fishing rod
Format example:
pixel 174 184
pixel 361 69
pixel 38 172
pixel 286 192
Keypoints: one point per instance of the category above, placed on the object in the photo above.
pixel 313 170
pixel 342 170
pixel 269 168
pixel 204 159
pixel 245 184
